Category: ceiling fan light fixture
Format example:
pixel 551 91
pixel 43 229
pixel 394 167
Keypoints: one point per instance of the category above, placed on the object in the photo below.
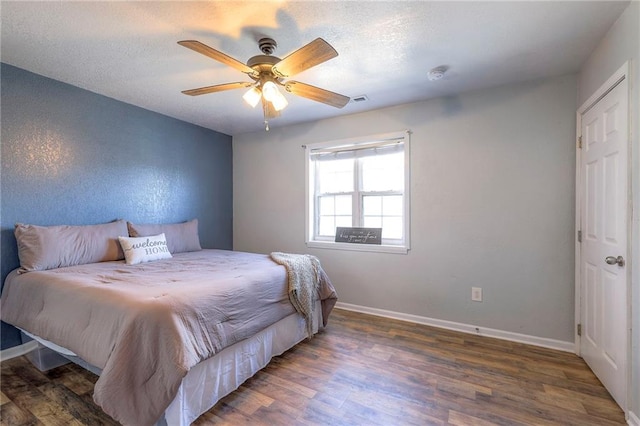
pixel 279 102
pixel 269 90
pixel 252 96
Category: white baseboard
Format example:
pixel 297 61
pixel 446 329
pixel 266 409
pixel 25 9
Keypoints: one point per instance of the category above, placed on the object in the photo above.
pixel 465 328
pixel 18 350
pixel 633 420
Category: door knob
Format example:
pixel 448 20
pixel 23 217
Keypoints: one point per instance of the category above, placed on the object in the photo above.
pixel 615 260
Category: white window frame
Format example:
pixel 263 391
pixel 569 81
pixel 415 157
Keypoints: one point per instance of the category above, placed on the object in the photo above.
pixel 402 247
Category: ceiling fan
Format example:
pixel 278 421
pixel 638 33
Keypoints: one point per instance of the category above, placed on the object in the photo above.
pixel 268 72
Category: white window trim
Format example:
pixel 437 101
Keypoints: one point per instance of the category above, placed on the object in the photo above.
pixel 404 249
pixel 310 215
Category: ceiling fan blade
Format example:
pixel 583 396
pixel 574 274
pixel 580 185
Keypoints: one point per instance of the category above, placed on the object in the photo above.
pixel 316 94
pixel 217 55
pixel 269 110
pixel 216 88
pixel 310 55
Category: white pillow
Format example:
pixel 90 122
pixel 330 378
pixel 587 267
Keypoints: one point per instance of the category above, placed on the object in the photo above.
pixel 144 249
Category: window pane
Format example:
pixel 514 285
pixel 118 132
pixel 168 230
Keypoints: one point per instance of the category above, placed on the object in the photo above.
pixel 383 172
pixel 392 227
pixel 335 176
pixel 373 222
pixel 327 226
pixel 384 212
pixel 343 221
pixel 335 210
pixel 327 205
pixel 343 205
pixel 392 205
pixel 372 205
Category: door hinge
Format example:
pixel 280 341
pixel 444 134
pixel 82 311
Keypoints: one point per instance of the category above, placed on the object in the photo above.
pixel 580 236
pixel 579 142
pixel 579 329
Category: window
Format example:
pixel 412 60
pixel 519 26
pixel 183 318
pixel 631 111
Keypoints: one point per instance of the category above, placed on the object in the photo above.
pixel 359 183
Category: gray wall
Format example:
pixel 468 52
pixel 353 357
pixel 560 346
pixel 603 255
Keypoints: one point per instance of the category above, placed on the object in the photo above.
pixel 622 44
pixel 492 187
pixel 70 156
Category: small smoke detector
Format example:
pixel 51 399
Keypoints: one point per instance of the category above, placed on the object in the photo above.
pixel 437 73
pixel 361 98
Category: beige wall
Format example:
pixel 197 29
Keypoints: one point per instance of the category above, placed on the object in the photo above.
pixel 492 187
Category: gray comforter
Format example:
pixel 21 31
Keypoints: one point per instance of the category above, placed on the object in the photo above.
pixel 146 325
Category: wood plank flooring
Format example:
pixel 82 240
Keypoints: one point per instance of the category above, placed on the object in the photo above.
pixel 362 370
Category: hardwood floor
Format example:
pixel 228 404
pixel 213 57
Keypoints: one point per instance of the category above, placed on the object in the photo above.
pixel 363 370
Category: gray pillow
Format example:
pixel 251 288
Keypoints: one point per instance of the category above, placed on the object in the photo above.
pixel 181 237
pixel 49 247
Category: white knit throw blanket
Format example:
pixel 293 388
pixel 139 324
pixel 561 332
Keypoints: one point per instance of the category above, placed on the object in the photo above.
pixel 304 280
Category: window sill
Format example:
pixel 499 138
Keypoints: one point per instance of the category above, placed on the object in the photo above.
pixel 358 247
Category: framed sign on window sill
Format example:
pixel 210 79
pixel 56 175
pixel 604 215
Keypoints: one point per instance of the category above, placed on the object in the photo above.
pixel 355 235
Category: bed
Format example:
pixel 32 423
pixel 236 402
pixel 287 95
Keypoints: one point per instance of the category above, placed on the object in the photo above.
pixel 169 337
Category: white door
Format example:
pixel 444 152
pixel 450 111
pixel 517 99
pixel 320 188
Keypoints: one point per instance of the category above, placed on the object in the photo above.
pixel 604 240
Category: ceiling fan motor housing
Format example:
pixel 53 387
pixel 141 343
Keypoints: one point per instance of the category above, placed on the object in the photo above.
pixel 263 64
pixel 262 60
pixel 267 45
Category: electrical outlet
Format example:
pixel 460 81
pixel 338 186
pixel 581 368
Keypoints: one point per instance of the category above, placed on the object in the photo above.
pixel 476 294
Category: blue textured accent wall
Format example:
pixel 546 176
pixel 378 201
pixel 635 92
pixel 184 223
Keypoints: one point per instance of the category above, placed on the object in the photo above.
pixel 70 156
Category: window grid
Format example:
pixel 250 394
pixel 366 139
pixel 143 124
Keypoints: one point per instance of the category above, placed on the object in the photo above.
pixel 387 234
pixel 357 210
pixel 337 217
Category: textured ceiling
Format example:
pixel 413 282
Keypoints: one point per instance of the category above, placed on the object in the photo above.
pixel 128 50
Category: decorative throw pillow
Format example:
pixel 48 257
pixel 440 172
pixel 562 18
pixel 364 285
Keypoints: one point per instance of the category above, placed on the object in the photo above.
pixel 49 247
pixel 181 237
pixel 144 249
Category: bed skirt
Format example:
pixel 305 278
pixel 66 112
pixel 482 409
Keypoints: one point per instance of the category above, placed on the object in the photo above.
pixel 216 377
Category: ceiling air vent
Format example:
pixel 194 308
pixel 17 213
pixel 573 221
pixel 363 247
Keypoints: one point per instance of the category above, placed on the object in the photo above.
pixel 361 98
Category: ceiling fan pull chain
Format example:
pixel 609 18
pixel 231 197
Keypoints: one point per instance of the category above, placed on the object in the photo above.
pixel 266 125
